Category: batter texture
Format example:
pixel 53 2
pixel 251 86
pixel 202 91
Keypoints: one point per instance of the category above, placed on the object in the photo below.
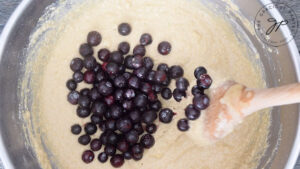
pixel 198 36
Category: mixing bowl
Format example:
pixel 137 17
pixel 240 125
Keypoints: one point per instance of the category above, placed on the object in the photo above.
pixel 281 66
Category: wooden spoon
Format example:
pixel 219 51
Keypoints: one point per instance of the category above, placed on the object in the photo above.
pixel 232 102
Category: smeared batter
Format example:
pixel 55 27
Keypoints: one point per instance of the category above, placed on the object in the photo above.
pixel 198 37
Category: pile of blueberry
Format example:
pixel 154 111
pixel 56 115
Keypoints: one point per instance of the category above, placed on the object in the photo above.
pixel 200 100
pixel 122 101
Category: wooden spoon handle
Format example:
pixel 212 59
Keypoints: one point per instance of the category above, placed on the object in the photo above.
pixel 264 98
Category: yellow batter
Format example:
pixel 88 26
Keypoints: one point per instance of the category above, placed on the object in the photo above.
pixel 198 38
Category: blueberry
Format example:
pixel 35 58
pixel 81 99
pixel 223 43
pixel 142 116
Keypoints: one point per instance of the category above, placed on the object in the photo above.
pixel 112 68
pixel 118 95
pixel 139 50
pixel 129 94
pixel 89 77
pixel 99 108
pixel 201 102
pixel 164 48
pixel 105 88
pixel 120 81
pixel 123 146
pixel 156 105
pixel 152 97
pixel 166 115
pixel 197 91
pixel 134 82
pixel 141 72
pixel 175 72
pixel 112 138
pixel 84 101
pixel 78 76
pixel 95 145
pixel 166 93
pixel 85 50
pixel 110 124
pixel 199 71
pixel 124 29
pixel 112 77
pixel 146 88
pixel 183 125
pixel 109 100
pixel 163 67
pixel 104 55
pixel 89 62
pixel 124 125
pixel 127 75
pixel 142 109
pixel 97 68
pixel 177 94
pixel 124 47
pixel 148 63
pixel 94 38
pixel 146 39
pixel 116 57
pixel 127 104
pixel 100 76
pixel 128 62
pixel 102 126
pixel 76 64
pixel 103 157
pixel 107 115
pixel 84 139
pixel 151 128
pixel 73 97
pixel 71 84
pixel 103 137
pixel 147 141
pixel 150 76
pixel 182 84
pixel 135 116
pixel 139 128
pixel 140 100
pixel 117 160
pixel 191 113
pixel 156 88
pixel 116 111
pixel 137 157
pixel 137 149
pixel 132 136
pixel 127 155
pixel 149 116
pixel 94 94
pixel 160 76
pixel 110 150
pixel 76 129
pixel 204 81
pixel 83 112
pixel 136 61
pixel 90 128
pixel 84 92
pixel 122 69
pixel 96 119
pixel 87 156
pixel 166 82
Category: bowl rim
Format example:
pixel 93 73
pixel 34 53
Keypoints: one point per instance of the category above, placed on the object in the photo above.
pixel 295 151
pixel 5 159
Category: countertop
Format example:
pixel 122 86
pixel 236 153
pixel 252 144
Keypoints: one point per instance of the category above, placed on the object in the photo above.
pixel 8 6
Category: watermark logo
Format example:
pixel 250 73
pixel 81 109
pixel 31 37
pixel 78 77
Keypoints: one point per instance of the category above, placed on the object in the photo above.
pixel 267 27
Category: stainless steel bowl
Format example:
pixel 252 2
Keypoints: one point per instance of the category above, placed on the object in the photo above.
pixel 282 67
